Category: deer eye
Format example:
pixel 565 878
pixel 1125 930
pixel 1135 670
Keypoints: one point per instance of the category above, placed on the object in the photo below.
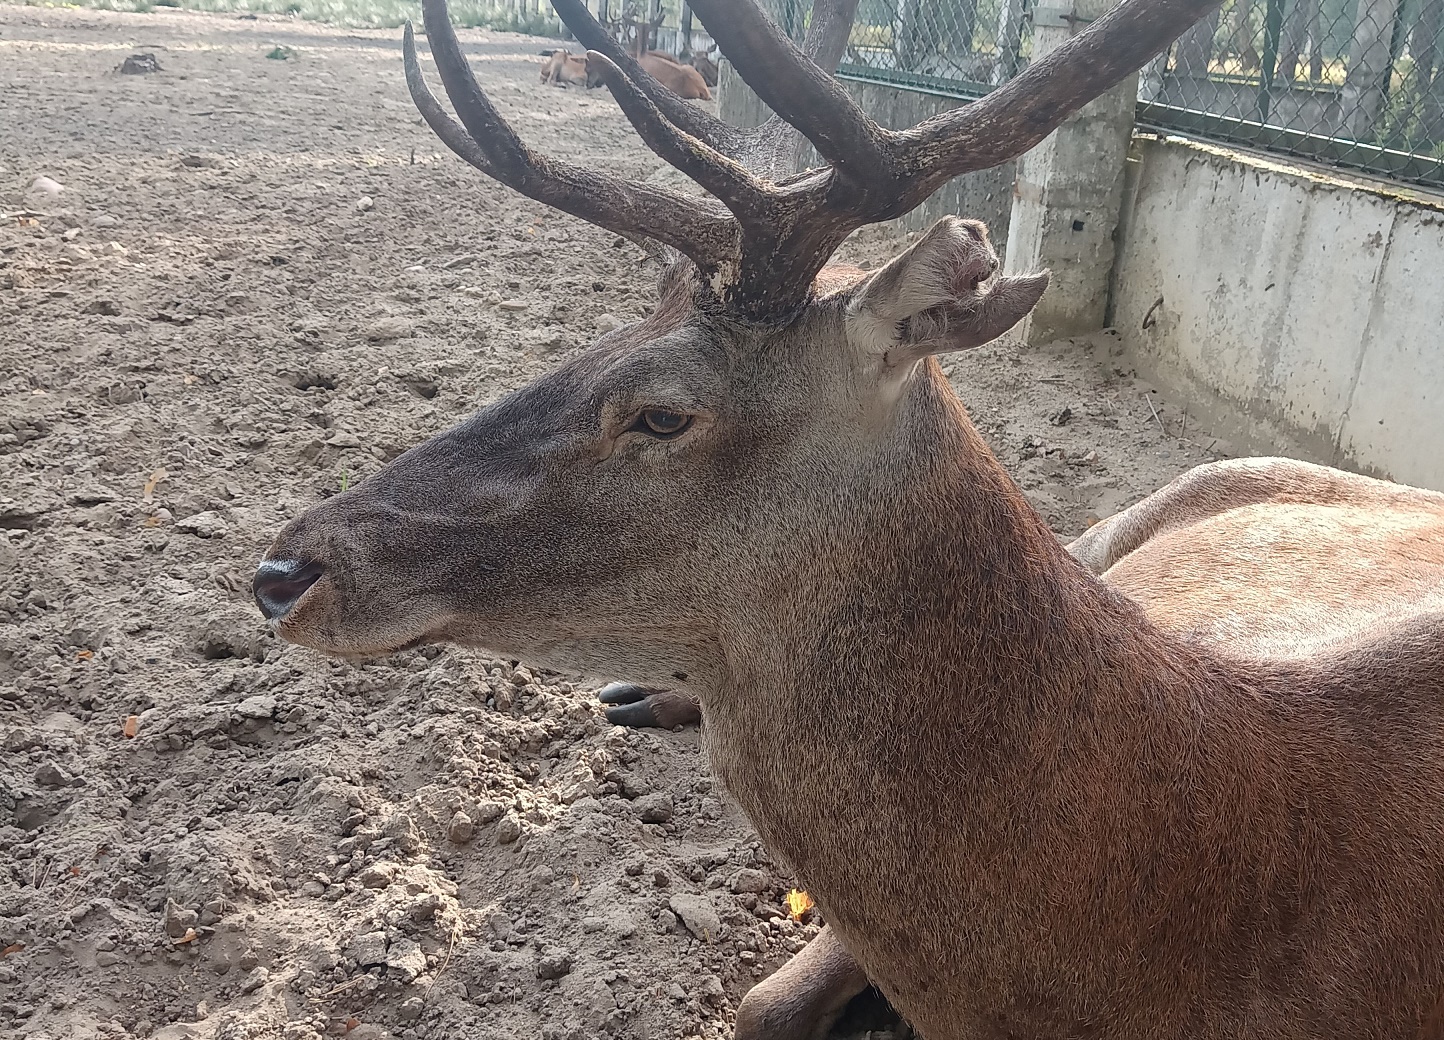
pixel 658 422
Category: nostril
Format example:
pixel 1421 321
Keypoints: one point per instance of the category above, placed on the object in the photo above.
pixel 278 584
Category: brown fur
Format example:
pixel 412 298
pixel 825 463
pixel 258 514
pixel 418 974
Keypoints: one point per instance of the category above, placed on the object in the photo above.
pixel 562 67
pixel 1026 808
pixel 682 80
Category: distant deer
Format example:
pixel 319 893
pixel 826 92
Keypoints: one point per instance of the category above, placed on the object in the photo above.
pixel 563 67
pixel 1025 808
pixel 682 80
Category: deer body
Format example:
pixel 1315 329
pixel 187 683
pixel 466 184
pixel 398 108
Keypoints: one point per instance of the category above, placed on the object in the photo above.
pixel 562 67
pixel 1073 824
pixel 1026 809
pixel 683 80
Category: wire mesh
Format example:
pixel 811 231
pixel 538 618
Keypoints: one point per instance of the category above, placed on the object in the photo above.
pixel 1353 82
pixel 1356 83
pixel 962 46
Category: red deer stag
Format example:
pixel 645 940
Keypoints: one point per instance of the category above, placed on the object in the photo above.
pixel 1025 808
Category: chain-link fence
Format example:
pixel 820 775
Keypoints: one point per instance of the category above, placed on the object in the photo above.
pixel 1358 83
pixel 1354 82
pixel 968 46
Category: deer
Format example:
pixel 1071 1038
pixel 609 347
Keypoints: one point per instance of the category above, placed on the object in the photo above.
pixel 563 67
pixel 1024 805
pixel 683 80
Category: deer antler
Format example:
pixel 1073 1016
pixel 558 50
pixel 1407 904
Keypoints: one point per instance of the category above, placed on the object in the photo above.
pixel 760 260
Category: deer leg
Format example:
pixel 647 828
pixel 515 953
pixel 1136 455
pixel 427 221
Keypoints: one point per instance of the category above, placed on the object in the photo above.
pixel 803 999
pixel 639 707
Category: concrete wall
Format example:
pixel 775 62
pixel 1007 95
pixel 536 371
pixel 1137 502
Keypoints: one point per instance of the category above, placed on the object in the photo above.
pixel 985 196
pixel 1313 304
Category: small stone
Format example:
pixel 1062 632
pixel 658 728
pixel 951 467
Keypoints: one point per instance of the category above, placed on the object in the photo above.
pixel 52 775
pixel 553 964
pixel 108 308
pixel 406 957
pixel 314 889
pixel 368 949
pixel 384 329
pixel 655 808
pixel 46 187
pixel 513 305
pixel 106 960
pixel 255 980
pixel 460 829
pixel 261 706
pixel 1061 417
pixel 748 880
pixel 710 991
pixel 697 914
pixel 410 1010
pixel 378 875
pixel 608 322
pixel 178 920
pixel 365 203
pixel 667 921
pixel 508 829
pixel 343 439
pixel 203 525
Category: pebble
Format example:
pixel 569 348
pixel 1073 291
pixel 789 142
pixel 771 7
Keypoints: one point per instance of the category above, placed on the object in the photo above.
pixel 460 829
pixel 365 203
pixel 203 525
pixel 553 964
pixel 106 960
pixel 508 829
pixel 513 305
pixel 261 706
pixel 47 187
pixel 52 775
pixel 178 920
pixel 608 322
pixel 384 329
pixel 697 914
pixel 655 808
pixel 255 980
pixel 749 880
pixel 406 957
pixel 368 949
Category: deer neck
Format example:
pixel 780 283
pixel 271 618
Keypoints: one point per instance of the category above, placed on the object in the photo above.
pixel 954 665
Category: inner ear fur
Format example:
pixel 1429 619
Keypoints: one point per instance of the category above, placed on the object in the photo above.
pixel 939 296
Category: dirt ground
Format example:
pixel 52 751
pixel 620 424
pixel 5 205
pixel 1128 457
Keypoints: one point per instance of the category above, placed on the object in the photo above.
pixel 260 279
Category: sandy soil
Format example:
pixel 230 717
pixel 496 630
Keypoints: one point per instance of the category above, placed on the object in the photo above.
pixel 261 278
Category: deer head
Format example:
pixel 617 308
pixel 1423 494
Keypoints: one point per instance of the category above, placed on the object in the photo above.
pixel 636 510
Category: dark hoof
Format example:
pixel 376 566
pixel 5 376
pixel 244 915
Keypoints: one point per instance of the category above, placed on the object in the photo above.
pixel 622 693
pixel 640 708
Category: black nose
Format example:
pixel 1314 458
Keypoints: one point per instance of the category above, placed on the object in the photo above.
pixel 278 584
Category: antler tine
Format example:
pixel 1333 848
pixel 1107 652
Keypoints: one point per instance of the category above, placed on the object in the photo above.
pixel 803 94
pixel 689 118
pixel 1019 114
pixel 731 182
pixel 692 225
pixel 828 31
pixel 452 133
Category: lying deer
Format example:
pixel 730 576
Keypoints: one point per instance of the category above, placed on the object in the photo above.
pixel 682 80
pixel 1024 807
pixel 564 67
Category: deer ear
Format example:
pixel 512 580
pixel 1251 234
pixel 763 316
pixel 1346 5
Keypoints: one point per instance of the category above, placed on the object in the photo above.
pixel 937 297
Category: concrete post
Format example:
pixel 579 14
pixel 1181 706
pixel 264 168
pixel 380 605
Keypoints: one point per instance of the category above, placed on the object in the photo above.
pixel 1068 191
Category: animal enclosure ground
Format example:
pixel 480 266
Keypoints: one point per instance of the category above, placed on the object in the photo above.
pixel 260 279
